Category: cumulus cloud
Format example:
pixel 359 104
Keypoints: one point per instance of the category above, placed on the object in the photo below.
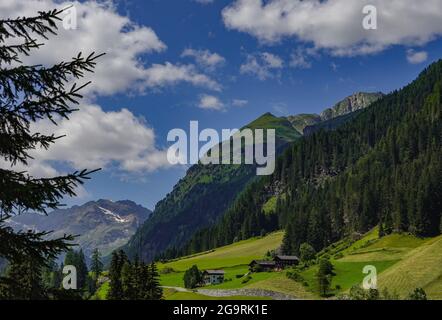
pixel 115 140
pixel 416 57
pixel 160 75
pixel 98 139
pixel 101 28
pixel 205 58
pixel 210 102
pixel 336 25
pixel 261 65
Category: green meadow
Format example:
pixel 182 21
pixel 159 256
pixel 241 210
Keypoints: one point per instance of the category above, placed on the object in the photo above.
pixel 403 262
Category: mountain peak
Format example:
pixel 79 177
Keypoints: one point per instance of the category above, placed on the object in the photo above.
pixel 354 102
pixel 102 224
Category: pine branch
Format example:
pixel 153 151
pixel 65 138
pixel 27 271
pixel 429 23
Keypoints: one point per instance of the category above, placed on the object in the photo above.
pixel 52 101
pixel 23 27
pixel 12 154
pixel 17 246
pixel 41 194
pixel 26 82
pixel 10 53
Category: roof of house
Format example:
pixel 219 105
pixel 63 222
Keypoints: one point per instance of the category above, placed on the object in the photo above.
pixel 217 272
pixel 287 258
pixel 263 262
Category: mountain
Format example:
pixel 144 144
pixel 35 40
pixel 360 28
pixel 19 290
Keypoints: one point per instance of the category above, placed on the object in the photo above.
pixel 334 116
pixel 101 224
pixel 382 167
pixel 300 121
pixel 357 101
pixel 207 191
pixel 199 198
pixel 330 124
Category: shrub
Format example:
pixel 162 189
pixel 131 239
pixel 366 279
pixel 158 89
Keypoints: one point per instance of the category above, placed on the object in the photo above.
pixel 294 275
pixel 307 252
pixel 167 270
pixel 418 294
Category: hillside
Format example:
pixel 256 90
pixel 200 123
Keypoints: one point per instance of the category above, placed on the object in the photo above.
pixel 403 263
pixel 234 260
pixel 198 199
pixel 206 192
pixel 301 121
pixel 383 167
pixel 102 224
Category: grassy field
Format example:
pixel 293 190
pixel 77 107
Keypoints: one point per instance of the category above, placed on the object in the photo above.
pixel 420 267
pixel 237 254
pixel 403 263
pixel 233 259
pixel 101 292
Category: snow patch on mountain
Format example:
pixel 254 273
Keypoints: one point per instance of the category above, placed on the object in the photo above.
pixel 115 216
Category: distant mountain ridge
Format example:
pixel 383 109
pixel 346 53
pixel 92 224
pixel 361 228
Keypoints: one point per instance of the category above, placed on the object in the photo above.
pixel 103 224
pixel 305 123
pixel 357 101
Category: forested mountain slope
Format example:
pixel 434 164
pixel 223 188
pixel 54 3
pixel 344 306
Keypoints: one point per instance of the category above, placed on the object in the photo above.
pixel 207 191
pixel 384 168
pixel 201 196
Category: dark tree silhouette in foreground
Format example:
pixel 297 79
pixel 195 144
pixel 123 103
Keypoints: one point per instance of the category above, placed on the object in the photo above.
pixel 29 94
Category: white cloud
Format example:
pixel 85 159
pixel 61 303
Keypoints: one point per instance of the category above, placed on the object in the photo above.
pixel 239 102
pixel 262 65
pixel 94 139
pixel 416 57
pixel 101 28
pixel 336 25
pixel 273 61
pixel 210 102
pixel 160 75
pixel 300 59
pixel 205 58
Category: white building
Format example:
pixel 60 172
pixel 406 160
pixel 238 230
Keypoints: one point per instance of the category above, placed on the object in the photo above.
pixel 213 277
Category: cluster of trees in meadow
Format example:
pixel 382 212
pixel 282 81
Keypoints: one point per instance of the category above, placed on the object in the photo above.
pixel 384 167
pixel 29 281
pixel 133 280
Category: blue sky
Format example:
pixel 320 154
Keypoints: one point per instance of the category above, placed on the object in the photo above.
pixel 300 72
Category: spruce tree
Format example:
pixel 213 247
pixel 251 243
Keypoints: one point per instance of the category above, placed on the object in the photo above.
pixel 116 292
pixel 29 94
pixel 155 292
pixel 96 265
pixel 25 281
pixel 128 284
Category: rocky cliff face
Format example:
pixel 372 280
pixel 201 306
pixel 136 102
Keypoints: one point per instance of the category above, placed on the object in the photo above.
pixel 357 101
